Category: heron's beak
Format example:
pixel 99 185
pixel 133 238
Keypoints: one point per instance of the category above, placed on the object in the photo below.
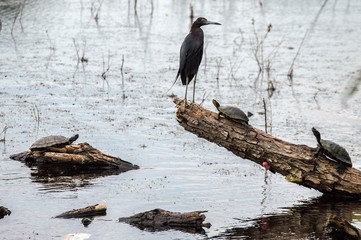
pixel 215 23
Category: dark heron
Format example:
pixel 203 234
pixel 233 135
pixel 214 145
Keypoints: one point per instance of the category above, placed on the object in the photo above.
pixel 191 53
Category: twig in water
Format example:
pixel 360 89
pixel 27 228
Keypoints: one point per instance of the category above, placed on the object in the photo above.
pixel 122 72
pixel 51 49
pixel 81 59
pixel 96 9
pixel 271 88
pixel 191 15
pixel 36 115
pixel 18 15
pixel 258 48
pixel 135 8
pixel 290 71
pixel 106 71
pixel 313 24
pixel 268 125
pixel 265 115
pixel 152 8
pixel 4 131
pixel 76 46
pixel 203 98
pixel 315 98
pixel 218 62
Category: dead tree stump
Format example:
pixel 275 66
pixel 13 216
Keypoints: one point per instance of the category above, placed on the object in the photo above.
pixel 295 161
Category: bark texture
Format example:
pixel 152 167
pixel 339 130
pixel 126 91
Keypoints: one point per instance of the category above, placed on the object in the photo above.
pixel 295 161
pixel 75 156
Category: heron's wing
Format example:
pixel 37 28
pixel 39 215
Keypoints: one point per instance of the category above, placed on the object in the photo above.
pixel 190 57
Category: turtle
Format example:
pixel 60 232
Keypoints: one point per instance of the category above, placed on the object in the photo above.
pixel 52 141
pixel 333 151
pixel 232 113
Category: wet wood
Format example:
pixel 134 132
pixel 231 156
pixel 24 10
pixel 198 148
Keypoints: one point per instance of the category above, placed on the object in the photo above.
pixel 4 211
pixel 159 220
pixel 342 228
pixel 90 211
pixel 81 155
pixel 295 161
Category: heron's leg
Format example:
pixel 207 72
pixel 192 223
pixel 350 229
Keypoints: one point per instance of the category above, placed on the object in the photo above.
pixel 185 97
pixel 194 87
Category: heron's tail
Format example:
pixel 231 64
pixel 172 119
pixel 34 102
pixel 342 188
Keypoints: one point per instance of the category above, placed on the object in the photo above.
pixel 176 78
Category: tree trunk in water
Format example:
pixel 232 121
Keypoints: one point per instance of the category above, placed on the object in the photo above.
pixel 79 156
pixel 162 220
pixel 90 211
pixel 295 161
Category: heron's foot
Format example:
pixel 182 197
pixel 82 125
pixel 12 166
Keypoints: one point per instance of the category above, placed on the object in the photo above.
pixel 185 103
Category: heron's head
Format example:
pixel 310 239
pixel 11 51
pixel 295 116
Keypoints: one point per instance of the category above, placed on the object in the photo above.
pixel 201 21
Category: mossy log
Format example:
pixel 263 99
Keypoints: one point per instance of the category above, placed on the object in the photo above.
pixel 160 220
pixel 90 211
pixel 80 156
pixel 295 161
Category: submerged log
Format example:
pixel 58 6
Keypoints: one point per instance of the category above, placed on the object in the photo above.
pixel 160 220
pixel 4 211
pixel 80 156
pixel 90 211
pixel 295 161
pixel 342 229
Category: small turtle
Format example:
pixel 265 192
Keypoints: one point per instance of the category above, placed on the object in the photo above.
pixel 233 113
pixel 53 141
pixel 333 151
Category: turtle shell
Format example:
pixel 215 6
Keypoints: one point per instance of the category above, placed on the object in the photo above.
pixel 52 141
pixel 233 113
pixel 336 152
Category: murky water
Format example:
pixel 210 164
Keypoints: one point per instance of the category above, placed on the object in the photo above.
pixel 43 92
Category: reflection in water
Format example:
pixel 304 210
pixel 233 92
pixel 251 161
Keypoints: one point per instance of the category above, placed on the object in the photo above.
pixel 266 189
pixel 305 221
pixel 61 178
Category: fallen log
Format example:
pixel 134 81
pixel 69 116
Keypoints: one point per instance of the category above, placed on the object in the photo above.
pixel 80 156
pixel 295 161
pixel 161 220
pixel 90 211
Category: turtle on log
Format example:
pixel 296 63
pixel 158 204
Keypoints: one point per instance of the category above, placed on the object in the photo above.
pixel 333 151
pixel 52 141
pixel 230 112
